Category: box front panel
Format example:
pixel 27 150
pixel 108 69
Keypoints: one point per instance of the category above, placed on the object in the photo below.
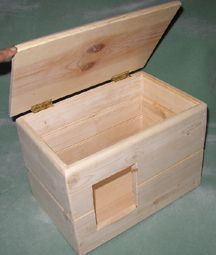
pixel 168 160
pixel 151 154
pixel 152 195
pixel 84 234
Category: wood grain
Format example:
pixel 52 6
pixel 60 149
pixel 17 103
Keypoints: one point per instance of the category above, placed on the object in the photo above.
pixel 53 209
pixel 44 163
pixel 153 195
pixel 167 156
pixel 118 125
pixel 102 140
pixel 58 65
pixel 105 159
pixel 153 150
pixel 74 133
pixel 114 197
pixel 105 116
pixel 84 106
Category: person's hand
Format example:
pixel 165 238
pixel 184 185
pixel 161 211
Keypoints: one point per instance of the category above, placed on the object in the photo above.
pixel 7 53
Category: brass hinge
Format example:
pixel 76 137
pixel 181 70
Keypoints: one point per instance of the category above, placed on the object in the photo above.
pixel 120 76
pixel 44 105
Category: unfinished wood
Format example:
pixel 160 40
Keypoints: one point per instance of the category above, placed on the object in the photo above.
pixel 101 140
pixel 164 86
pixel 53 209
pixel 153 150
pixel 65 141
pixel 94 102
pixel 153 195
pixel 75 132
pixel 84 106
pixel 44 163
pixel 177 136
pixel 161 93
pixel 76 142
pixel 55 66
pixel 114 197
pixel 107 158
pixel 182 131
pixel 103 119
pixel 169 145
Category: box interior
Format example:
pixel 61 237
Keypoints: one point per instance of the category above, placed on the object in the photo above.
pixel 91 121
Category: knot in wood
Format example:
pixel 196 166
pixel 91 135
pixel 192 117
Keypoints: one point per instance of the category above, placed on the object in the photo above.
pixel 96 48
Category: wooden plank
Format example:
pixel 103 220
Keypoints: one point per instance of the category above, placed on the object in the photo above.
pixel 55 66
pixel 78 131
pixel 164 94
pixel 53 209
pixel 154 194
pixel 152 150
pixel 46 166
pixel 102 140
pixel 85 105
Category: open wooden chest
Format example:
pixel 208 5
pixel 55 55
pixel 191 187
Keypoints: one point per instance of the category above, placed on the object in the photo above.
pixel 103 159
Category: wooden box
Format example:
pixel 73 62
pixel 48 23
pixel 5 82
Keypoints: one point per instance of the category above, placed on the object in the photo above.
pixel 105 158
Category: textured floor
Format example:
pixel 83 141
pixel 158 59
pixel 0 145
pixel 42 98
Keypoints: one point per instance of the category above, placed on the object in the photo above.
pixel 185 58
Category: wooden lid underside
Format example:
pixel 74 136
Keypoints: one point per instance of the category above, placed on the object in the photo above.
pixel 64 63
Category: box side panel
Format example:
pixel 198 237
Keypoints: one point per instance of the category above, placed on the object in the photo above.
pixel 175 98
pixel 186 99
pixel 153 195
pixel 151 152
pixel 53 209
pixel 173 144
pixel 37 159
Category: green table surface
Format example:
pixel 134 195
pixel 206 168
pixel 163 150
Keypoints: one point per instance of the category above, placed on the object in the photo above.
pixel 186 58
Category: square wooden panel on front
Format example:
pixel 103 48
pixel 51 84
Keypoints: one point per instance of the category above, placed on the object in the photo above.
pixel 115 197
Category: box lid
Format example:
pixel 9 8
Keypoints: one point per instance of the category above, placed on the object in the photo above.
pixel 64 63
